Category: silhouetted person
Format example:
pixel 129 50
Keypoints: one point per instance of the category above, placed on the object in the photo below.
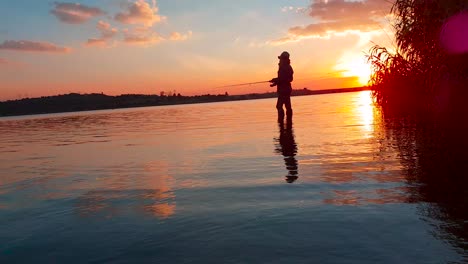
pixel 288 148
pixel 283 84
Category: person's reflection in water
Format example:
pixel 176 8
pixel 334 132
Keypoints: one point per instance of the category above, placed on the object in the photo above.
pixel 286 146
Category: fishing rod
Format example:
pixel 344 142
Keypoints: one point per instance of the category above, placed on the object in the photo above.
pixel 242 84
pixel 270 81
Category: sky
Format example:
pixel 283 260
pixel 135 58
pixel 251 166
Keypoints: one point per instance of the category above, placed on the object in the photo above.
pixel 184 46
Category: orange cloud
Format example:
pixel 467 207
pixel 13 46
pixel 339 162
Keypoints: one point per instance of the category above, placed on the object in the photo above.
pixel 107 33
pixel 33 46
pixel 324 29
pixel 339 16
pixel 176 36
pixel 140 12
pixel 72 13
pixel 143 15
pixel 143 40
pixel 142 36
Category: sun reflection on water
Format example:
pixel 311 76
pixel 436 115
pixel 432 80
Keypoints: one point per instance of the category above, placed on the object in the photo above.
pixel 366 110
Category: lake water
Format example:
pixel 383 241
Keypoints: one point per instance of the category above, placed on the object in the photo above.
pixel 224 183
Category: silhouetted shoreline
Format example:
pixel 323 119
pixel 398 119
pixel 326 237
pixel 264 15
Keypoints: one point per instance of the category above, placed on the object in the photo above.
pixel 75 102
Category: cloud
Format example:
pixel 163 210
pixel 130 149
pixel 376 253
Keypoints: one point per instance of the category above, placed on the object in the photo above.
pixel 144 40
pixel 341 10
pixel 96 42
pixel 3 61
pixel 142 36
pixel 176 36
pixel 106 30
pixel 280 41
pixel 287 9
pixel 33 46
pixel 323 29
pixel 73 13
pixel 140 12
pixel 107 34
pixel 339 16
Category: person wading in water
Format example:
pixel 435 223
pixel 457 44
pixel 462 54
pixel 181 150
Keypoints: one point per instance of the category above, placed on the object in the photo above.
pixel 283 84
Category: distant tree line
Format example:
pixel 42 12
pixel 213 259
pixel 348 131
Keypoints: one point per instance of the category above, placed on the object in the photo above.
pixel 97 101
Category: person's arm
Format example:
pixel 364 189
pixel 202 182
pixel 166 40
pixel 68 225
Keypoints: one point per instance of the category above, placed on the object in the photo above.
pixel 274 82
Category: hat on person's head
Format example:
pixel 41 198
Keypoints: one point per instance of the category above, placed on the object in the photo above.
pixel 284 55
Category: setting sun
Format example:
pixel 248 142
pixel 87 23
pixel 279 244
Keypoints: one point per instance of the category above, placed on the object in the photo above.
pixel 355 66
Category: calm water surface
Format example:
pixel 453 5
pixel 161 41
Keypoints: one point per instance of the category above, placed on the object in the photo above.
pixel 225 183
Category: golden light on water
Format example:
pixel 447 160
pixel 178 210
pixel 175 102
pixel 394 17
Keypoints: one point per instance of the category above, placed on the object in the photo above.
pixel 160 192
pixel 365 109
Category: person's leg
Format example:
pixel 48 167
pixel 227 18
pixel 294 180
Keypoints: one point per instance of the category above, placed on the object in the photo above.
pixel 287 104
pixel 279 107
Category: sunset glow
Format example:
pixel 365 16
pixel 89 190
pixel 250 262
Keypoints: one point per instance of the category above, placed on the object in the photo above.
pixel 356 66
pixel 145 46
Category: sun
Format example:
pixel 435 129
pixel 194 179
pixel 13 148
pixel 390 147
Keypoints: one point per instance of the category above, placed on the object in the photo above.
pixel 355 66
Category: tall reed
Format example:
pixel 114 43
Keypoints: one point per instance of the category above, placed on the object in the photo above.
pixel 419 65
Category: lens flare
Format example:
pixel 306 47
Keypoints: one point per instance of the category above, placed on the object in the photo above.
pixel 454 35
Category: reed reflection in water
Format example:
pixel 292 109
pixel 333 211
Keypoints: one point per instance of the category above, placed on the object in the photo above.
pixel 200 183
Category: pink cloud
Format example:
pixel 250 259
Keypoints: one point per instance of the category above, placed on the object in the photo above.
pixel 140 12
pixel 73 13
pixel 33 46
pixel 3 61
pixel 338 16
pixel 96 42
pixel 107 33
pixel 106 30
pixel 144 15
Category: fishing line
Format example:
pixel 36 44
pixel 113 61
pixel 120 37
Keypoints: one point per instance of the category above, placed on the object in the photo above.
pixel 320 77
